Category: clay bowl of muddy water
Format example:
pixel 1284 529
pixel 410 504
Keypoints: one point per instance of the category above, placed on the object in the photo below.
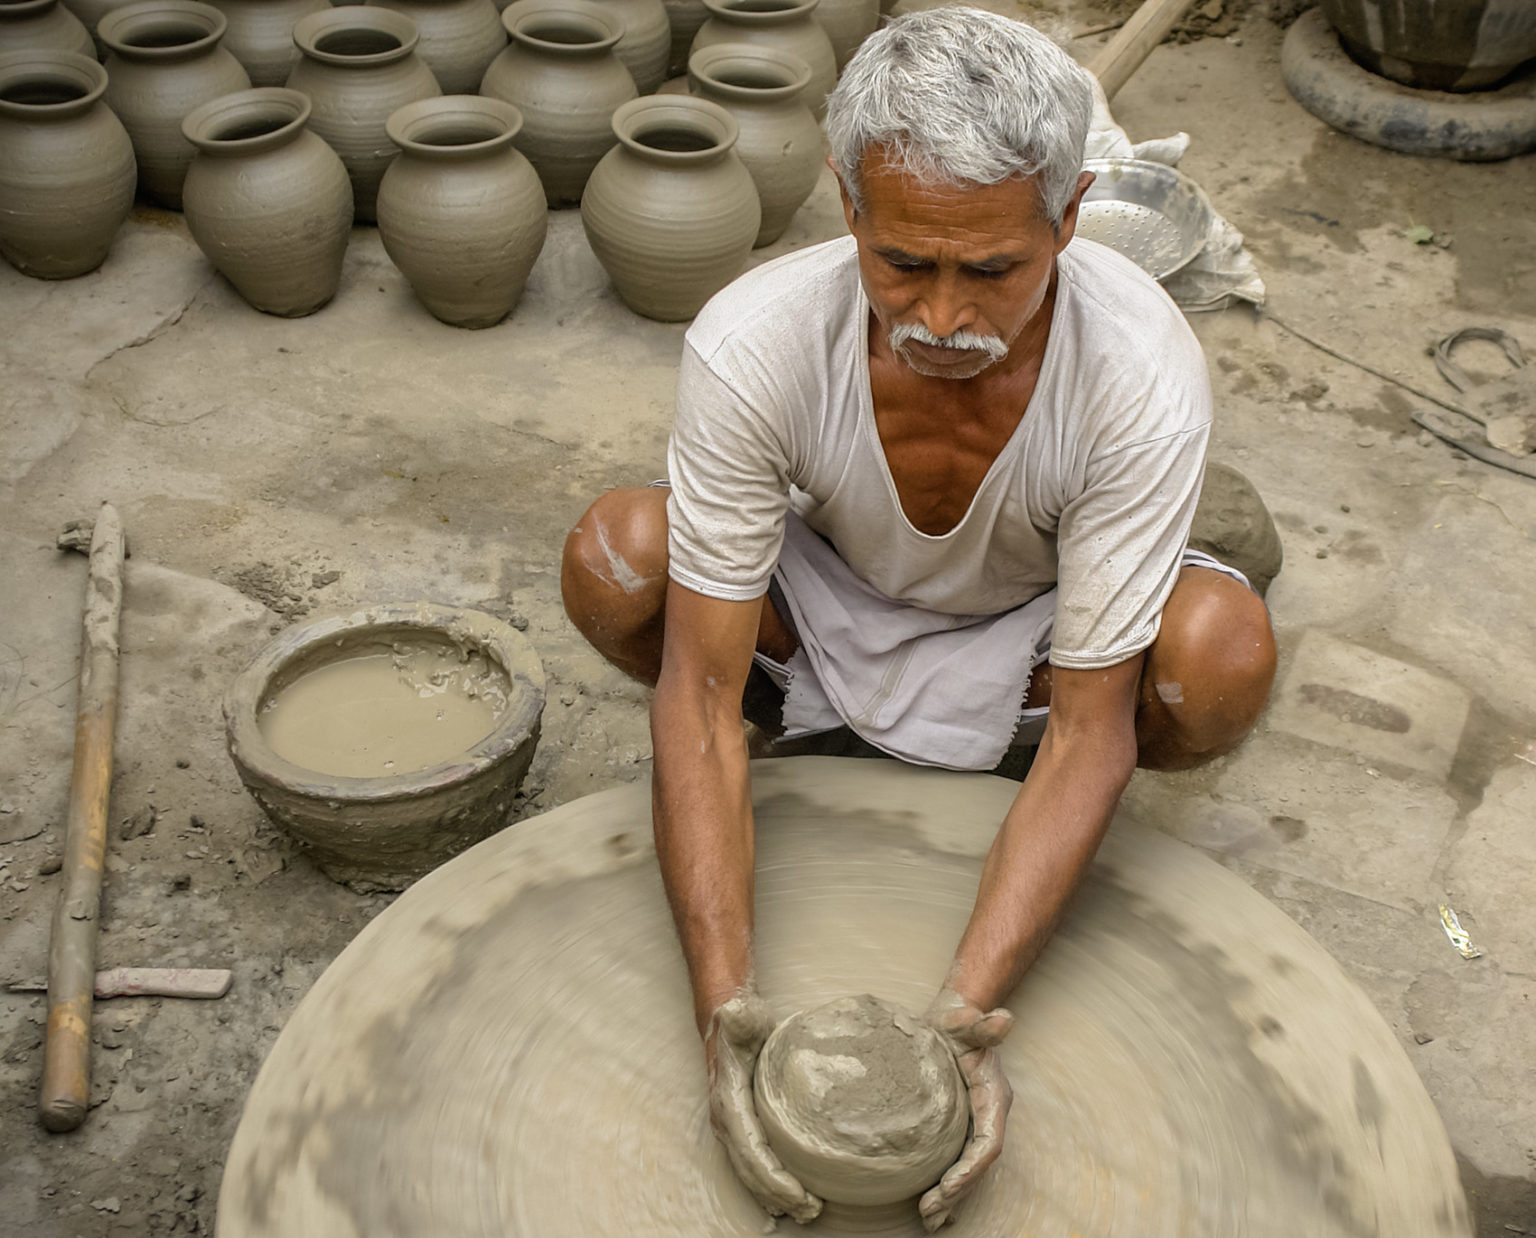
pixel 388 739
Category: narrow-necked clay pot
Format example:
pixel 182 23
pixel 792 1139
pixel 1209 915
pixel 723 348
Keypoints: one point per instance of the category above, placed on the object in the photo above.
pixel 267 201
pixel 461 211
pixel 164 60
pixel 260 35
pixel 66 164
pixel 784 25
pixel 459 39
pixel 671 212
pixel 562 75
pixel 89 13
pixel 780 141
pixel 358 66
pixel 847 23
pixel 685 17
pixel 44 25
pixel 645 41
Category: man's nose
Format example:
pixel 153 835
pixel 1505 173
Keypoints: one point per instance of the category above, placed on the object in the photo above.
pixel 947 306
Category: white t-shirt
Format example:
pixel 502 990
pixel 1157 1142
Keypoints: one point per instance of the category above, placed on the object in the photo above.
pixel 1093 493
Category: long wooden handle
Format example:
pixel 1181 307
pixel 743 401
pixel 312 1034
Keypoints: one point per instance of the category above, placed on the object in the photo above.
pixel 66 1089
pixel 1123 54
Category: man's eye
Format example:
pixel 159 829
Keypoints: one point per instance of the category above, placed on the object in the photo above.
pixel 989 272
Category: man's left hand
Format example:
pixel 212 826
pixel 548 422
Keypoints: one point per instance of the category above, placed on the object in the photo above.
pixel 973 1037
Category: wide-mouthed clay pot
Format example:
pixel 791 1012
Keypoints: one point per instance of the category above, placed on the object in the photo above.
pixel 459 39
pixel 382 832
pixel 461 211
pixel 779 140
pixel 358 65
pixel 562 74
pixel 1437 44
pixel 645 38
pixel 44 25
pixel 66 164
pixel 164 59
pixel 260 35
pixel 784 25
pixel 671 212
pixel 267 201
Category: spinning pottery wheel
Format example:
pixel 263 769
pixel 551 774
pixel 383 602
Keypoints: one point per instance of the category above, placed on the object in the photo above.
pixel 509 1049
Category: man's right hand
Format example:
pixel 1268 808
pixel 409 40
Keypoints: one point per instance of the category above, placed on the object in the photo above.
pixel 735 1036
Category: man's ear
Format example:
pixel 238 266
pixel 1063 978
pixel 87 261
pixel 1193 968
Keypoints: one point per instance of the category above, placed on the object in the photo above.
pixel 1068 227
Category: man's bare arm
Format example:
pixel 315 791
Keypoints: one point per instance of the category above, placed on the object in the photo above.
pixel 1050 834
pixel 702 807
pixel 1052 829
pixel 701 800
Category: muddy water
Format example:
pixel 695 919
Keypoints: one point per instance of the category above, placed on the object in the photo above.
pixel 380 714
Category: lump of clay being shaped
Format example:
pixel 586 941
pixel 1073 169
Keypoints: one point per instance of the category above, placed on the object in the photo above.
pixel 861 1101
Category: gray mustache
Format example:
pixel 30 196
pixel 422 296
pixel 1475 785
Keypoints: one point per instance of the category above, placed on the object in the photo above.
pixel 967 341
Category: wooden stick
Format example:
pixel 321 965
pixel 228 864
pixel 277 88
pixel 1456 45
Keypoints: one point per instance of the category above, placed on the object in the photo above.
pixel 66 1090
pixel 199 982
pixel 1122 55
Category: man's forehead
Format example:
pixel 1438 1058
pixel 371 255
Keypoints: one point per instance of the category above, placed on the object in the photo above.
pixel 901 207
pixel 883 175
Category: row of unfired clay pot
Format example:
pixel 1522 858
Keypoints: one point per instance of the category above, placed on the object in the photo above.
pixel 464 223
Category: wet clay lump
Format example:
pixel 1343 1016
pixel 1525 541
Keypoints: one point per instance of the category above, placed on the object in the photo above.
pixel 861 1101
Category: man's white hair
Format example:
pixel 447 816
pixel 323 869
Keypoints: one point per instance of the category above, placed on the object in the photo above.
pixel 960 95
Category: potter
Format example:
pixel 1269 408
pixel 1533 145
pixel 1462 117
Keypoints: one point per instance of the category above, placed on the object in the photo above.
pixel 936 480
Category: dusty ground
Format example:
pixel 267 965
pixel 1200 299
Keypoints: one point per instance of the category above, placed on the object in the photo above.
pixel 268 468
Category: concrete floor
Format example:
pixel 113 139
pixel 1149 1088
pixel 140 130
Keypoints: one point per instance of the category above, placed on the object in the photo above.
pixel 251 456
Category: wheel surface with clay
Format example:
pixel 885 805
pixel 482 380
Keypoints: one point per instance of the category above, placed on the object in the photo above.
pixel 509 1049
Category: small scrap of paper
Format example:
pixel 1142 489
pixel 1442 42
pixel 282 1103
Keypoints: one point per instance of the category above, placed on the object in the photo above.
pixel 1457 934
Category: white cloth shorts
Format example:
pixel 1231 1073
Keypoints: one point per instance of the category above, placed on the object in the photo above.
pixel 930 688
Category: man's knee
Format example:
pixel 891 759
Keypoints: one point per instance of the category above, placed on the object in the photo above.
pixel 1210 671
pixel 615 559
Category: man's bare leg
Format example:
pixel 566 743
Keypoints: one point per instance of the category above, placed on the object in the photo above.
pixel 613 578
pixel 1206 677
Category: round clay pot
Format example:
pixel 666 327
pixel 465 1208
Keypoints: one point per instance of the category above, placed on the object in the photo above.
pixel 44 25
pixel 645 40
pixel 461 211
pixel 459 39
pixel 260 35
pixel 382 833
pixel 66 164
pixel 267 201
pixel 780 141
pixel 671 212
pixel 89 13
pixel 358 66
pixel 1437 44
pixel 847 23
pixel 685 17
pixel 562 74
pixel 784 25
pixel 164 59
